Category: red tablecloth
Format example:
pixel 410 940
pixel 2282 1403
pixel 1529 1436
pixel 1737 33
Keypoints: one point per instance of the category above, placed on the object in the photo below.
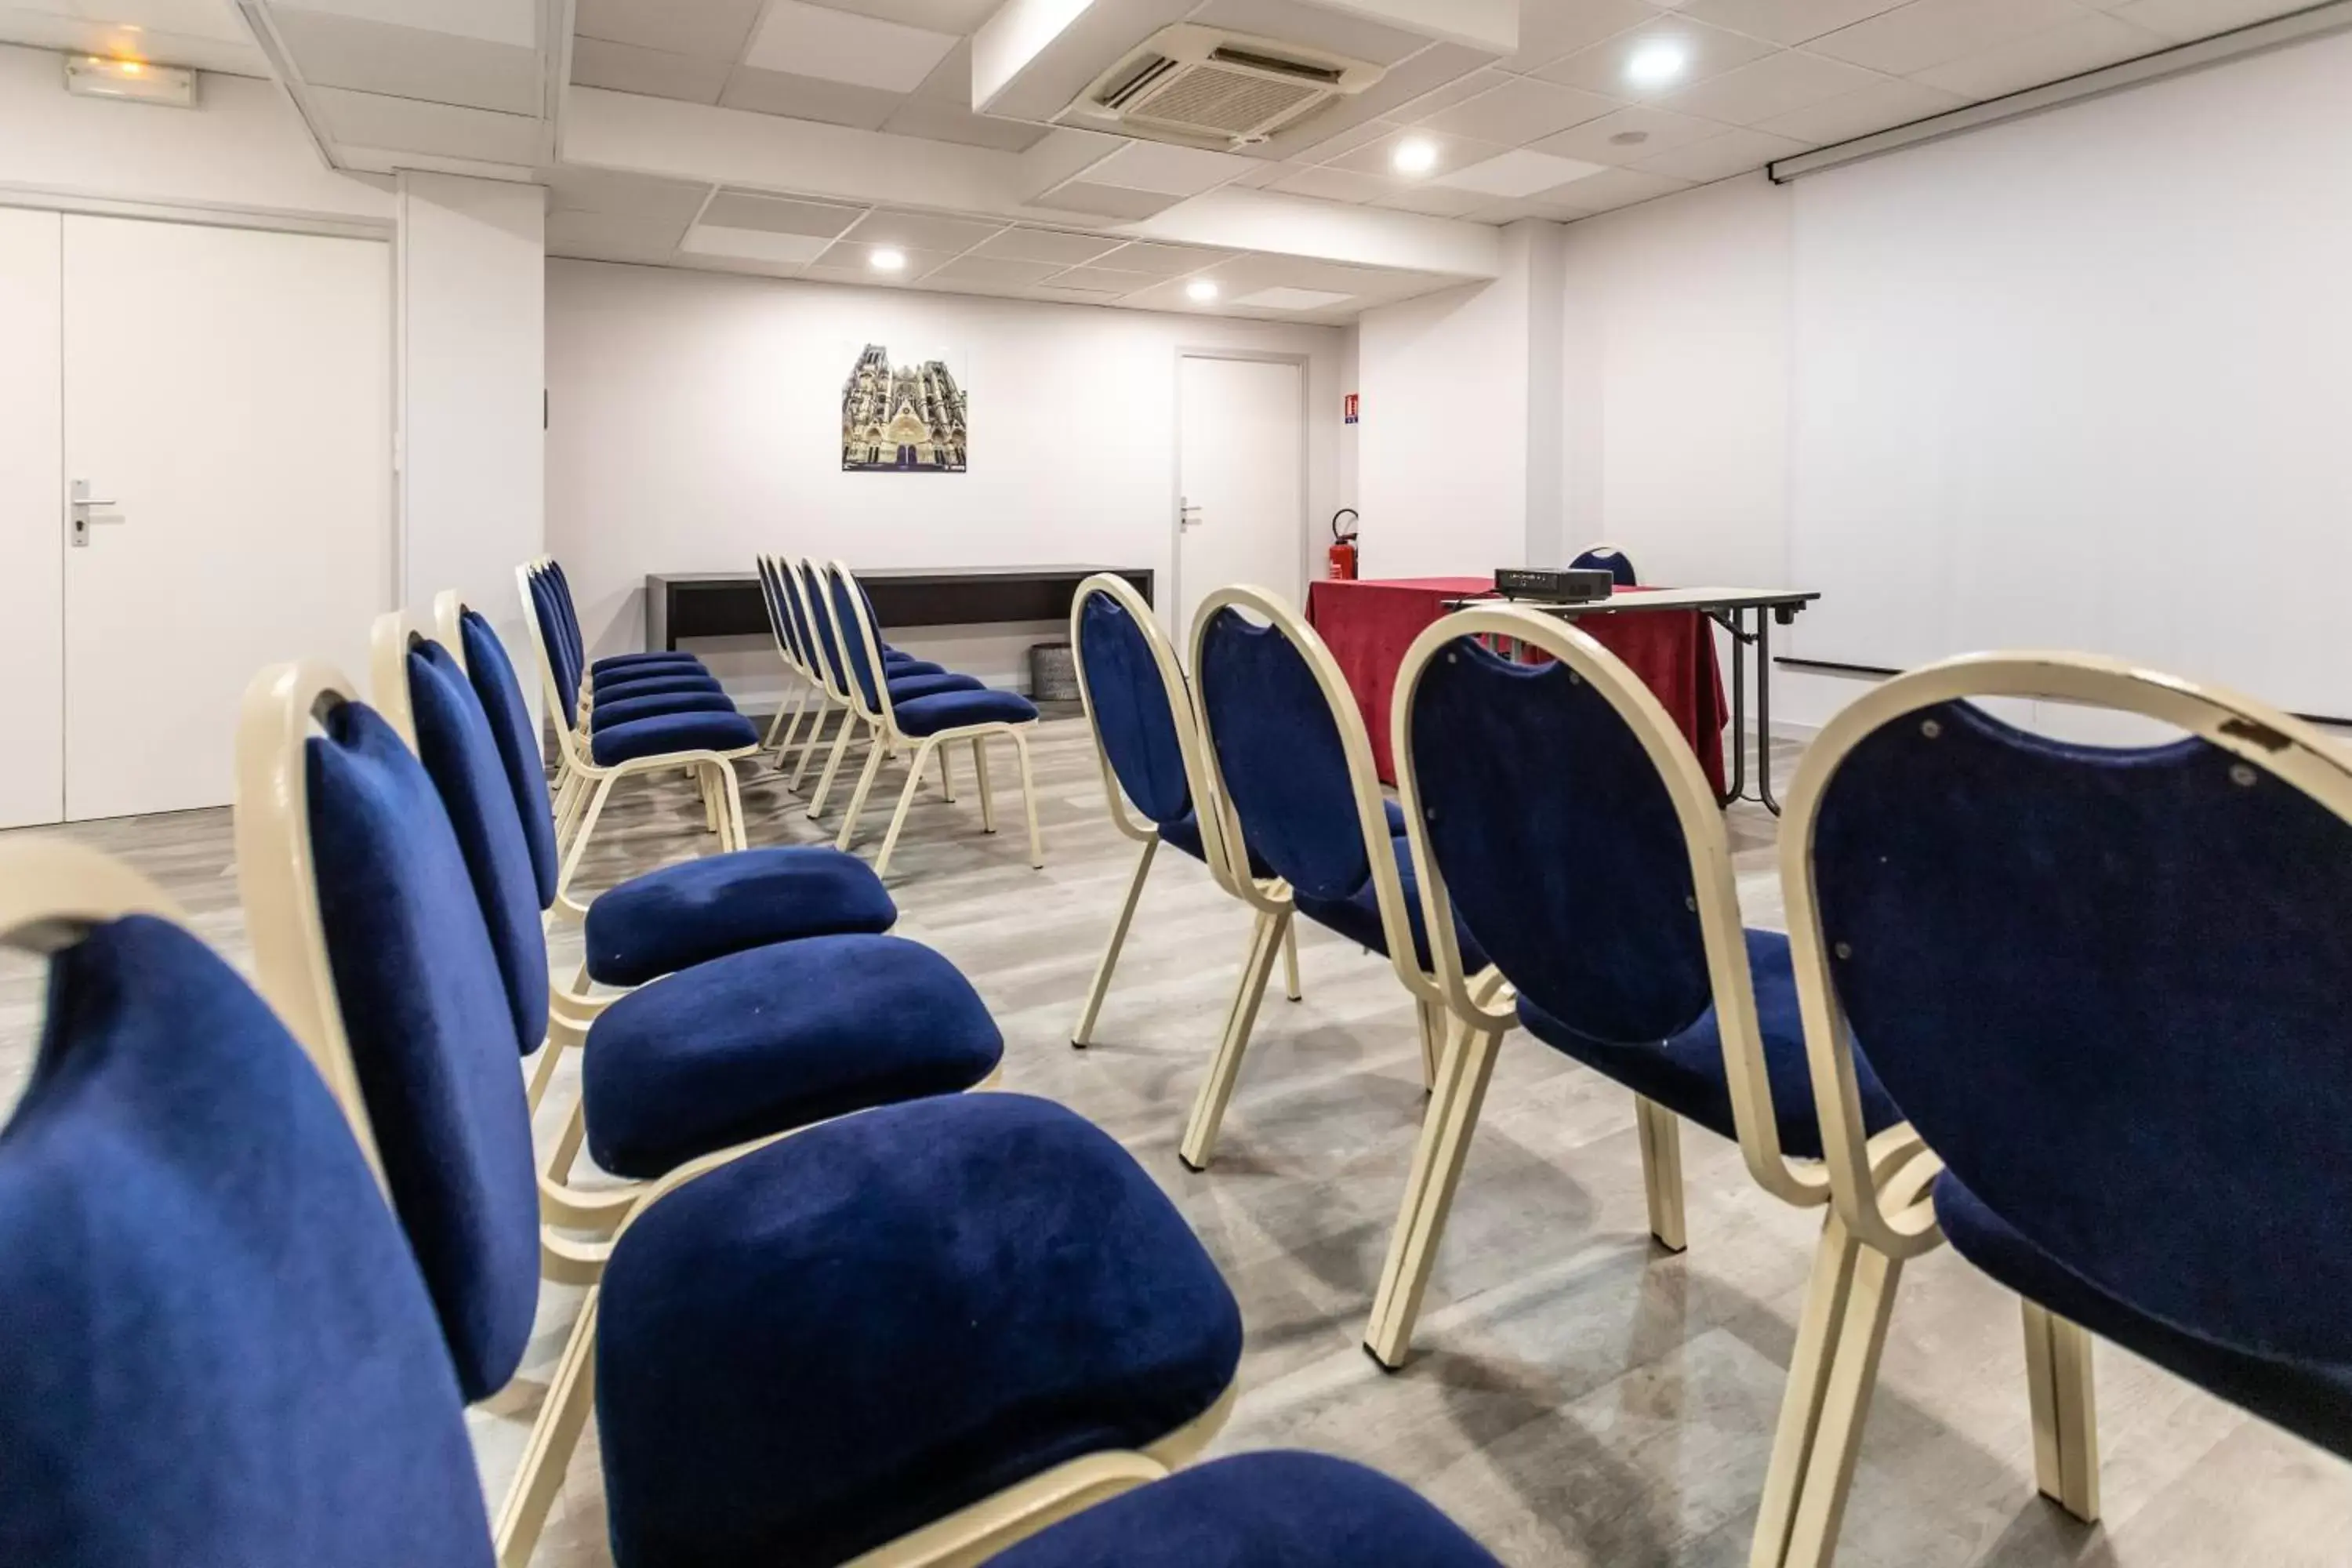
pixel 1367 626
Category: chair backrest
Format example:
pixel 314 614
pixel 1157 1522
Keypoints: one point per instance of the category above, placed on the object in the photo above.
pixel 1135 700
pixel 445 724
pixel 369 938
pixel 861 646
pixel 500 691
pixel 817 600
pixel 796 613
pixel 217 1348
pixel 779 619
pixel 1289 762
pixel 1610 559
pixel 559 662
pixel 2107 985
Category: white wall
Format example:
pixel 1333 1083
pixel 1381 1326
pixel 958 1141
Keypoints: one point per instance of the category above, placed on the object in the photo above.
pixel 242 148
pixel 472 262
pixel 32 517
pixel 1700 425
pixel 696 422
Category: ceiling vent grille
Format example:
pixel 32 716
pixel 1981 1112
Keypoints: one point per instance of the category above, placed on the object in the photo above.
pixel 1207 88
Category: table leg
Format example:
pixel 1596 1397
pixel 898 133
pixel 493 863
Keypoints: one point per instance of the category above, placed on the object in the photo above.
pixel 1738 713
pixel 1764 713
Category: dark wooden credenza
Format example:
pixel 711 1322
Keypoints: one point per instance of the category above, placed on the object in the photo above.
pixel 682 605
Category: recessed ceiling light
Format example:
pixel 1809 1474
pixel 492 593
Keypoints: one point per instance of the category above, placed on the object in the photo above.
pixel 1414 156
pixel 1629 139
pixel 1654 64
pixel 1200 289
pixel 888 260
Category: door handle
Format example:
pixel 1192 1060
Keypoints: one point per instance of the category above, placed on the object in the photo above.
pixel 82 504
pixel 1188 515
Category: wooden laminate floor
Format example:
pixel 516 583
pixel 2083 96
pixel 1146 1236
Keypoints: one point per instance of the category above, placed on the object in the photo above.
pixel 1578 1397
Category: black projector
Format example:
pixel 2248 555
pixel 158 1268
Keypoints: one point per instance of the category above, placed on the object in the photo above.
pixel 1554 585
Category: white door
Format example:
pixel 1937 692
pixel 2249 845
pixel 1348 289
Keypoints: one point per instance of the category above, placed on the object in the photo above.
pixel 227 415
pixel 32 537
pixel 1241 471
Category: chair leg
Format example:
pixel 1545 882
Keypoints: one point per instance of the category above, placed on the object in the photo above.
pixel 566 1152
pixel 2065 1411
pixel 987 795
pixel 776 724
pixel 1826 1297
pixel 905 799
pixel 1845 1405
pixel 833 764
pixel 1446 1129
pixel 571 1394
pixel 1209 1105
pixel 1433 1031
pixel 542 1073
pixel 1029 800
pixel 582 834
pixel 1084 1033
pixel 731 807
pixel 947 776
pixel 1290 961
pixel 809 747
pixel 874 755
pixel 1661 1171
pixel 709 788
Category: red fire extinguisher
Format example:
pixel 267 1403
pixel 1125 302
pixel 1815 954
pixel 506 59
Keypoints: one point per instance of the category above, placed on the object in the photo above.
pixel 1343 547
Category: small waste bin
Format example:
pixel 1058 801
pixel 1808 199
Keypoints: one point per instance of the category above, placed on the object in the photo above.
pixel 1053 673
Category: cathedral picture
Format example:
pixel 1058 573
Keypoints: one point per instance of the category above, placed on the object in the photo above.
pixel 904 419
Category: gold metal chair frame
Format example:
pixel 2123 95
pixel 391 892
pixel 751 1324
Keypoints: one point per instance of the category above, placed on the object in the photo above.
pixel 1882 1212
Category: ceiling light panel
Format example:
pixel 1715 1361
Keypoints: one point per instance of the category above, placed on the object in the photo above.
pixel 1520 172
pixel 841 45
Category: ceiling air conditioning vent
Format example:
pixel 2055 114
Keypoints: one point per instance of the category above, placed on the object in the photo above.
pixel 1208 88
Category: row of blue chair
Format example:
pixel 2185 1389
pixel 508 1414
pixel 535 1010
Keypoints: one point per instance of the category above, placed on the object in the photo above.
pixel 841 1311
pixel 2097 987
pixel 826 631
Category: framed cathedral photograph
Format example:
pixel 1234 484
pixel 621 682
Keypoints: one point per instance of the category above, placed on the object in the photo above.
pixel 908 418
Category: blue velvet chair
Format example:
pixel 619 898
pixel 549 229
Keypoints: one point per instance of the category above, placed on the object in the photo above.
pixel 703 738
pixel 922 717
pixel 1305 827
pixel 218 1349
pixel 808 678
pixel 905 679
pixel 1147 741
pixel 995 1291
pixel 2107 985
pixel 1610 559
pixel 1558 819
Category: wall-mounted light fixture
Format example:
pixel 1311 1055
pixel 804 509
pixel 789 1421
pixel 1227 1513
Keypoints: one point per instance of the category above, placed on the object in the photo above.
pixel 136 81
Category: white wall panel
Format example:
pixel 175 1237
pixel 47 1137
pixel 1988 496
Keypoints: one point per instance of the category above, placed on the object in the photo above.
pixel 32 519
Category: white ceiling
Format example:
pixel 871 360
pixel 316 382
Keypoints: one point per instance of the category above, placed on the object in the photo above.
pixel 870 104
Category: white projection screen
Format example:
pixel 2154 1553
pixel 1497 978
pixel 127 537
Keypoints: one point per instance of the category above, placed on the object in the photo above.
pixel 2085 381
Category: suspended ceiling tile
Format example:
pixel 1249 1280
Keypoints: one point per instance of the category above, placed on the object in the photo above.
pixel 705 30
pixel 510 22
pixel 437 130
pixel 1925 34
pixel 849 257
pixel 2088 42
pixel 808 98
pixel 623 67
pixel 1523 109
pixel 1629 136
pixel 1379 157
pixel 1552 30
pixel 411 62
pixel 994 273
pixel 1520 173
pixel 945 122
pixel 1337 185
pixel 1720 157
pixel 1056 245
pixel 1163 260
pixel 1436 201
pixel 840 45
pixel 1785 21
pixel 1106 280
pixel 1883 105
pixel 1112 202
pixel 779 214
pixel 1779 83
pixel 753 243
pixel 1707 51
pixel 922 231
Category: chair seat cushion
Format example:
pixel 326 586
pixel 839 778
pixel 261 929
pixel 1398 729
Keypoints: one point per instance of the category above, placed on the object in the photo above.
pixel 1685 1074
pixel 777 1037
pixel 653 683
pixel 628 710
pixel 697 910
pixel 1184 833
pixel 2313 1400
pixel 656 659
pixel 858 1329
pixel 954 709
pixel 671 732
pixel 908 688
pixel 1357 916
pixel 1258 1510
pixel 896 664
